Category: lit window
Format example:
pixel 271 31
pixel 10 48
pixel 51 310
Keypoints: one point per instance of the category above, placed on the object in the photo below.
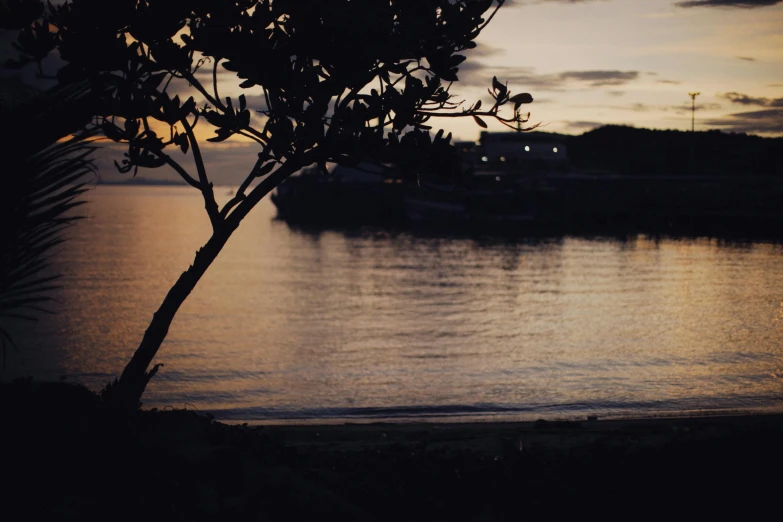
pixel 527 148
pixel 484 159
pixel 497 178
pixel 502 158
pixel 554 150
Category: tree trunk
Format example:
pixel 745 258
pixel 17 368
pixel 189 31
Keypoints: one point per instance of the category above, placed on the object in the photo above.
pixel 127 392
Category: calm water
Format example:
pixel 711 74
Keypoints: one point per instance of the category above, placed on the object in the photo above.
pixel 296 325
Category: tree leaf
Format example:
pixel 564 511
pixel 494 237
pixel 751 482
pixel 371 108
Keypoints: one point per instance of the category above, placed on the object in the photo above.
pixel 521 98
pixel 455 60
pixel 499 87
pixel 481 123
pixel 450 75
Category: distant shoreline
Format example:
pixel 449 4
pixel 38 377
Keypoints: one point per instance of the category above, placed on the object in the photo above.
pixel 493 437
pixel 147 182
pixel 142 182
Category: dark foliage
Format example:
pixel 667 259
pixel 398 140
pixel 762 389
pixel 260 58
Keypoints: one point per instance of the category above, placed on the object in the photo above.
pixel 45 171
pixel 341 80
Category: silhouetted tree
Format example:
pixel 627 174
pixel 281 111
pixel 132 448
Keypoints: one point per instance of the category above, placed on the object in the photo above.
pixel 338 81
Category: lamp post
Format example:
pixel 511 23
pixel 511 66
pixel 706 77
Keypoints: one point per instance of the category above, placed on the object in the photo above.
pixel 693 128
pixel 693 109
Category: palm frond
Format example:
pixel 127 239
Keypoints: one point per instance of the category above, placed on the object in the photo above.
pixel 41 181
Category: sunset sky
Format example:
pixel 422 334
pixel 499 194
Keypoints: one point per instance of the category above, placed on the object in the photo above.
pixel 594 62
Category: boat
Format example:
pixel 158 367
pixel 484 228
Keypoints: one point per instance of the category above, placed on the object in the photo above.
pixel 347 195
pixel 506 179
pixel 524 181
pixel 506 186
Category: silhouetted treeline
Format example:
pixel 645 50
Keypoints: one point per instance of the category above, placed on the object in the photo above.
pixel 633 151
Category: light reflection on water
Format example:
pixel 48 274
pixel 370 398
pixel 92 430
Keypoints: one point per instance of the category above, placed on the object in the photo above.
pixel 378 324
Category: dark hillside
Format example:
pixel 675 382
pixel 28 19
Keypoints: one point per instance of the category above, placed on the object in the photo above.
pixel 633 151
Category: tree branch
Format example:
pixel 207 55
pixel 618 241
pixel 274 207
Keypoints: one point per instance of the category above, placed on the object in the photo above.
pixel 179 170
pixel 494 12
pixel 269 183
pixel 268 102
pixel 253 134
pixel 206 187
pixel 488 114
pixel 240 195
pixel 200 88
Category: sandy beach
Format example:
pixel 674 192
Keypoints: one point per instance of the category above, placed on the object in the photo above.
pixel 67 457
pixel 508 438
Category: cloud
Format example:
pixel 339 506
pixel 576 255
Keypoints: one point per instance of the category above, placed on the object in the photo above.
pixel 768 121
pixel 687 107
pixel 474 73
pixel 744 99
pixel 759 115
pixel 644 107
pixel 747 4
pixel 483 50
pixel 641 107
pixel 669 82
pixel 600 78
pixel 566 1
pixel 635 107
pixel 583 125
pixel 478 74
pixel 519 3
pixel 746 58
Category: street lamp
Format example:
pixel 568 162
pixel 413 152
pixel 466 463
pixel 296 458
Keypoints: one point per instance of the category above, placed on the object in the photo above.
pixel 693 109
